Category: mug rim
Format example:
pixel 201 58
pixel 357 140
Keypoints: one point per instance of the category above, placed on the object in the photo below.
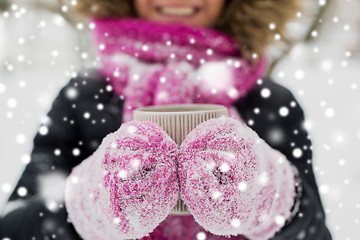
pixel 180 109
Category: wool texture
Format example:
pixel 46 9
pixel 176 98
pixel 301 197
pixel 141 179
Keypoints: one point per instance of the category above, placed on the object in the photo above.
pixel 233 183
pixel 150 63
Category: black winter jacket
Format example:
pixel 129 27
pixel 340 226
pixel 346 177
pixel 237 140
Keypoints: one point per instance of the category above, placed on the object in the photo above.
pixel 72 137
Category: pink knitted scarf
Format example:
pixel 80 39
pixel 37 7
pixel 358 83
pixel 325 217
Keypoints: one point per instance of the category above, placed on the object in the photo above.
pixel 151 63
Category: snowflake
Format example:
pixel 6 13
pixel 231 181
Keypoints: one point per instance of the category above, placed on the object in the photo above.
pixel 224 167
pixel 235 223
pixel 22 191
pixel 20 138
pixel 265 93
pixel 86 115
pixel 43 130
pixel 201 236
pixel 283 111
pixel 25 159
pixel 12 103
pixel 122 174
pixel 6 187
pixel 76 152
pixel 57 152
pixel 242 186
pixel 297 152
pixel 324 189
pixel 329 112
pixel 216 195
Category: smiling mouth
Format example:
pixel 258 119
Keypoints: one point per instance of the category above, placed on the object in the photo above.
pixel 178 11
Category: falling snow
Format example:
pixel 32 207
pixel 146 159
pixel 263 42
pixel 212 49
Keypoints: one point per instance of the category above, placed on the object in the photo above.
pixel 6 187
pixel 216 195
pixel 321 74
pixel 76 152
pixel 12 103
pixel 57 152
pixel 200 236
pixel 20 138
pixel 265 93
pixel 329 112
pixel 284 111
pixel 25 159
pixel 71 93
pixel 2 88
pixel 87 115
pixel 297 152
pixel 280 220
pixel 43 130
pixel 235 223
pixel 122 174
pixel 242 186
pixel 224 167
pixel 22 191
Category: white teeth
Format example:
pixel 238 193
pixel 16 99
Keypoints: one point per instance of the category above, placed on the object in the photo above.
pixel 177 11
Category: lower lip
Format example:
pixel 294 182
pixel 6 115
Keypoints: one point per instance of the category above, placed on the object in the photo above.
pixel 177 19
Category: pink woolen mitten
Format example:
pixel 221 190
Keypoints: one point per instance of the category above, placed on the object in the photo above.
pixel 127 187
pixel 233 182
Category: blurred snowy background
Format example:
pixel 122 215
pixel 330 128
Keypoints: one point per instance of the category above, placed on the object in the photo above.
pixel 40 51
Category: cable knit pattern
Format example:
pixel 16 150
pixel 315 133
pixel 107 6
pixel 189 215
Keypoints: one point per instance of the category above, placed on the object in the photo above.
pixel 127 187
pixel 153 63
pixel 231 180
